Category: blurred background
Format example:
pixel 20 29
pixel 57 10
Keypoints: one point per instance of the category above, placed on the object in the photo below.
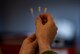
pixel 16 23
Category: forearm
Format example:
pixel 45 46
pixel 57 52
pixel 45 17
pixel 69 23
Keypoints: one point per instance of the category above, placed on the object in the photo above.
pixel 44 46
pixel 46 50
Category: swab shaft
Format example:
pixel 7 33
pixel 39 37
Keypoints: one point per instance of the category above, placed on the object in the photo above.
pixel 32 12
pixel 45 10
pixel 39 8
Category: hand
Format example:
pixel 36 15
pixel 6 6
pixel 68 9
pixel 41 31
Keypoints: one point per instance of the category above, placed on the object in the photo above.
pixel 29 45
pixel 45 31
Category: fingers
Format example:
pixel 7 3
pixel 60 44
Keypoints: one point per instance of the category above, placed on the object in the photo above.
pixel 51 19
pixel 29 44
pixel 35 44
pixel 43 18
pixel 38 22
pixel 48 16
pixel 31 38
pixel 28 48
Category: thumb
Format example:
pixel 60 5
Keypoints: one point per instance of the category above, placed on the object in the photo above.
pixel 49 17
pixel 34 44
pixel 38 22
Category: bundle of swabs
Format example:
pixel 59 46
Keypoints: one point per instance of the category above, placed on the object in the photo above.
pixel 44 20
pixel 39 10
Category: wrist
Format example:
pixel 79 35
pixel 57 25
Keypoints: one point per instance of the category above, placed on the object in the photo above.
pixel 44 48
pixel 42 39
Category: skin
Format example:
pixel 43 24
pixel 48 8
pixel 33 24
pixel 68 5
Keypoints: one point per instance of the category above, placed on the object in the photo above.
pixel 45 33
pixel 29 45
pixel 43 37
